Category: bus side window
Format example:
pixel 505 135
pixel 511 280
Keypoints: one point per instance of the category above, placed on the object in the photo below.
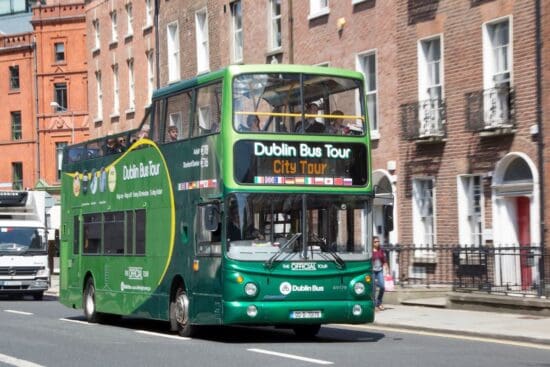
pixel 177 117
pixel 208 242
pixel 207 110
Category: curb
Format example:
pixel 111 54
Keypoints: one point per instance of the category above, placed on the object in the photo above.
pixel 495 336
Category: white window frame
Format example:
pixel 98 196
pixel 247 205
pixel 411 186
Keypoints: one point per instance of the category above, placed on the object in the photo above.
pixel 129 20
pixel 150 75
pixel 362 67
pixel 201 32
pixel 114 27
pixel 424 225
pixel 318 8
pixel 97 39
pixel 237 43
pixel 273 19
pixel 99 95
pixel 173 50
pixel 471 215
pixel 131 86
pixel 495 104
pixel 148 13
pixel 429 103
pixel 116 92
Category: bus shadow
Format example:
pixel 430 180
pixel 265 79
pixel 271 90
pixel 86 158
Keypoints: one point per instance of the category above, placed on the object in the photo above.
pixel 243 334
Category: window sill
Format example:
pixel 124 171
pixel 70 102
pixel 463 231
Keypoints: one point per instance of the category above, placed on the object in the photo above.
pixel 14 91
pixel 114 115
pixel 374 135
pixel 128 37
pixel 98 120
pixel 113 44
pixel 147 28
pixel 95 51
pixel 274 51
pixel 130 111
pixel 318 14
pixel 203 71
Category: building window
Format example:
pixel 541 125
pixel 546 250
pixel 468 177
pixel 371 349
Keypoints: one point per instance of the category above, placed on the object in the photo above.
pixel 97 40
pixel 129 19
pixel 131 86
pixel 274 33
pixel 497 66
pixel 423 212
pixel 59 157
pixel 430 87
pixel 237 31
pixel 173 49
pixel 470 210
pixel 318 8
pixel 60 92
pixel 59 52
pixel 114 27
pixel 17 175
pixel 150 75
pixel 14 77
pixel 201 24
pixel 116 94
pixel 148 13
pixel 367 65
pixel 16 133
pixel 99 94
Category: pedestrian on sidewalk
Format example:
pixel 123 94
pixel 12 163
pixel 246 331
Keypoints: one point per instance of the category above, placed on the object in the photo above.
pixel 379 267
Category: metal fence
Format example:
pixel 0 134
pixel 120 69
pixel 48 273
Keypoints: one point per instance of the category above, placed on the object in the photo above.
pixel 510 270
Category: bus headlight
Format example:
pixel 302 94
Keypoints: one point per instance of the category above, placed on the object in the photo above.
pixel 359 288
pixel 251 289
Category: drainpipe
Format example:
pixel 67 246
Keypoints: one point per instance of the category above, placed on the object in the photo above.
pixel 35 66
pixel 157 53
pixel 540 140
pixel 290 33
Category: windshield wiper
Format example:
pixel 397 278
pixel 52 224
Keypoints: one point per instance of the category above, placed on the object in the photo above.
pixel 271 260
pixel 340 263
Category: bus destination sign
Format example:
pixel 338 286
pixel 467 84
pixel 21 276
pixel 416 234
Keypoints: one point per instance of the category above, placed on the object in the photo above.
pixel 300 163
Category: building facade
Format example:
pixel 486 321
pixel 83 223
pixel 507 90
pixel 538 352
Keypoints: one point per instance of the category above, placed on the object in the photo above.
pixel 61 84
pixel 121 63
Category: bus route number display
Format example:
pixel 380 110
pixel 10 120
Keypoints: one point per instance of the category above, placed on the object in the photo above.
pixel 300 163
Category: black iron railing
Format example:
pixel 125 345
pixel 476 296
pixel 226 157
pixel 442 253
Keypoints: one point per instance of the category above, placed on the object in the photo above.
pixel 491 109
pixel 509 270
pixel 424 120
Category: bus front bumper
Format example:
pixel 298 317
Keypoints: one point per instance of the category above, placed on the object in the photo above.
pixel 298 312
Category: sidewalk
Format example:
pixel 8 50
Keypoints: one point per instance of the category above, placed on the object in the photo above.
pixel 517 327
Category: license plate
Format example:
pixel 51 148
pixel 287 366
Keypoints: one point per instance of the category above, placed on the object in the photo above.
pixel 11 282
pixel 306 314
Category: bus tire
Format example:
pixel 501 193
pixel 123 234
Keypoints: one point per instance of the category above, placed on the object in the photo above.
pixel 88 301
pixel 306 331
pixel 179 313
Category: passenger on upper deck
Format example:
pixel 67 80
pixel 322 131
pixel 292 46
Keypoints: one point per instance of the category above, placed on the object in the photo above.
pixel 311 125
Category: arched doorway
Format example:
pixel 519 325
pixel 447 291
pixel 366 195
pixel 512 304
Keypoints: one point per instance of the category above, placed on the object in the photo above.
pixel 385 197
pixel 516 217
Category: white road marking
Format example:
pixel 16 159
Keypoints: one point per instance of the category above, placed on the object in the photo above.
pixel 17 362
pixel 77 321
pixel 162 335
pixel 19 312
pixel 454 336
pixel 291 356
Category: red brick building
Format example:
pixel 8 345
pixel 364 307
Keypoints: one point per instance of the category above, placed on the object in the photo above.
pixel 121 63
pixel 43 61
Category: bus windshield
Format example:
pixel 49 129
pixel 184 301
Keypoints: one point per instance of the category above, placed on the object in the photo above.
pixel 297 104
pixel 320 227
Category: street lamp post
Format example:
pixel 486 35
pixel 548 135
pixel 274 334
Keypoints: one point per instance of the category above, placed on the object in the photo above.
pixel 58 107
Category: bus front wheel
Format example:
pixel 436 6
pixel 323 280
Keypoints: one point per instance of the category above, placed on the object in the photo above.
pixel 179 314
pixel 88 299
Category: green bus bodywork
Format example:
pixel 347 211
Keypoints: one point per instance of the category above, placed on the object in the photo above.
pixel 145 232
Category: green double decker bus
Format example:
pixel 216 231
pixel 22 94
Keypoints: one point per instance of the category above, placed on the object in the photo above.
pixel 244 198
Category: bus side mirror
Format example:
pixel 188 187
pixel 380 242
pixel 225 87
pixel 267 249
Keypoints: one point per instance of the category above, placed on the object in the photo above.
pixel 211 218
pixel 387 211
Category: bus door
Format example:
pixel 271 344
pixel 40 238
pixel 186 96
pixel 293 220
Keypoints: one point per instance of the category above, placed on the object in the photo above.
pixel 206 278
pixel 70 258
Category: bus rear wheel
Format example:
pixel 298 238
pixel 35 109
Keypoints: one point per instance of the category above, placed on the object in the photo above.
pixel 88 300
pixel 179 314
pixel 306 331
